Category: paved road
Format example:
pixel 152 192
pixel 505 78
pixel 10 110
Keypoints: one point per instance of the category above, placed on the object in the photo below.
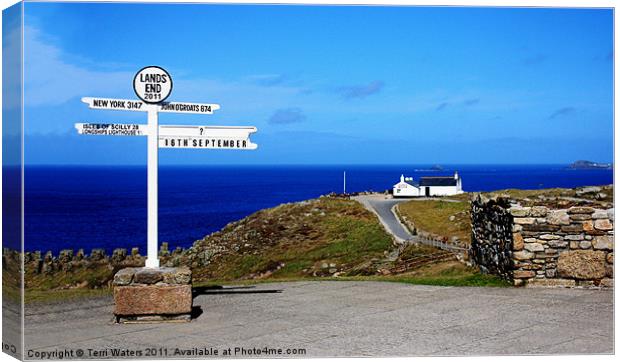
pixel 381 205
pixel 350 319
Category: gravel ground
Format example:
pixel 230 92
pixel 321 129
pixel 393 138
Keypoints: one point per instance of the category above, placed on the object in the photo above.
pixel 338 319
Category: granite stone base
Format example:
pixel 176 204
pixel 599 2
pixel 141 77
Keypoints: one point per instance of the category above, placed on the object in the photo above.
pixel 149 295
pixel 157 318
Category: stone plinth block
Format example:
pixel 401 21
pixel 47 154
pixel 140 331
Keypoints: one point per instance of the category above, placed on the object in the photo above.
pixel 172 276
pixel 124 276
pixel 152 299
pixel 153 294
pixel 148 276
pixel 177 276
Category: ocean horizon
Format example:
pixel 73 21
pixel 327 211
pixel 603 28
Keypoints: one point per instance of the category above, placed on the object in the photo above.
pixel 73 207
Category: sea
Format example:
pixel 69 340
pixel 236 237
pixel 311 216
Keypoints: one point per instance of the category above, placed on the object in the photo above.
pixel 105 207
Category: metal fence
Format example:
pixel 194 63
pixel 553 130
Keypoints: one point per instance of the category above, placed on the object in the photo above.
pixel 439 244
pixel 418 261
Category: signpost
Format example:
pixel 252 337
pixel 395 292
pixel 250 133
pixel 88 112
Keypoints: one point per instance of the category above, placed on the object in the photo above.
pixel 111 129
pixel 213 137
pixel 195 108
pixel 153 86
pixel 140 106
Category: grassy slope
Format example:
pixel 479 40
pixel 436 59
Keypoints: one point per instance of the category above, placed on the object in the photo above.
pixel 11 281
pixel 300 238
pixel 81 282
pixel 303 237
pixel 294 241
pixel 433 216
pixel 287 243
pixel 451 273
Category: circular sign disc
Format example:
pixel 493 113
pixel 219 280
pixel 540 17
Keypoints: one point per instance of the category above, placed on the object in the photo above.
pixel 152 84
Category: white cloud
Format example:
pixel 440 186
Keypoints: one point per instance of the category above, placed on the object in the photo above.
pixel 50 80
pixel 54 77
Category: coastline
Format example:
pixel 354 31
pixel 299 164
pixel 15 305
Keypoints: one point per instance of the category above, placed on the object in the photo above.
pixel 224 255
pixel 104 207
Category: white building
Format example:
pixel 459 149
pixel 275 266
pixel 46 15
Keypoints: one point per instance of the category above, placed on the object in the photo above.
pixel 428 186
pixel 405 188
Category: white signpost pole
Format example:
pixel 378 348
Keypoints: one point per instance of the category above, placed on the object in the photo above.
pixel 153 85
pixel 152 259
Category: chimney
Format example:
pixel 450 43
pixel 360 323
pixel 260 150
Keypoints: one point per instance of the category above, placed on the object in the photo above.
pixel 456 175
pixel 402 178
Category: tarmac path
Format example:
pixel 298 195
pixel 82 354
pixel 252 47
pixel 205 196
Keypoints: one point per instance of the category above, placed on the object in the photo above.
pixel 382 206
pixel 338 318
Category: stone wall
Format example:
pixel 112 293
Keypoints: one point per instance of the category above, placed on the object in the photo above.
pixel 492 240
pixel 36 262
pixel 544 243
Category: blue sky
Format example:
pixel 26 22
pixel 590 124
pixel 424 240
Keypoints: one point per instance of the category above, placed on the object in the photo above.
pixel 329 85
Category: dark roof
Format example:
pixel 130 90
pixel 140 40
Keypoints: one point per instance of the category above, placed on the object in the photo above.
pixel 438 181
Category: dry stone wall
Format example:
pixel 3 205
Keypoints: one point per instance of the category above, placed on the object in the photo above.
pixel 492 241
pixel 67 260
pixel 542 245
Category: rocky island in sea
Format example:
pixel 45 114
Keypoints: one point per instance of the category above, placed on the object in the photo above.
pixel 586 165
